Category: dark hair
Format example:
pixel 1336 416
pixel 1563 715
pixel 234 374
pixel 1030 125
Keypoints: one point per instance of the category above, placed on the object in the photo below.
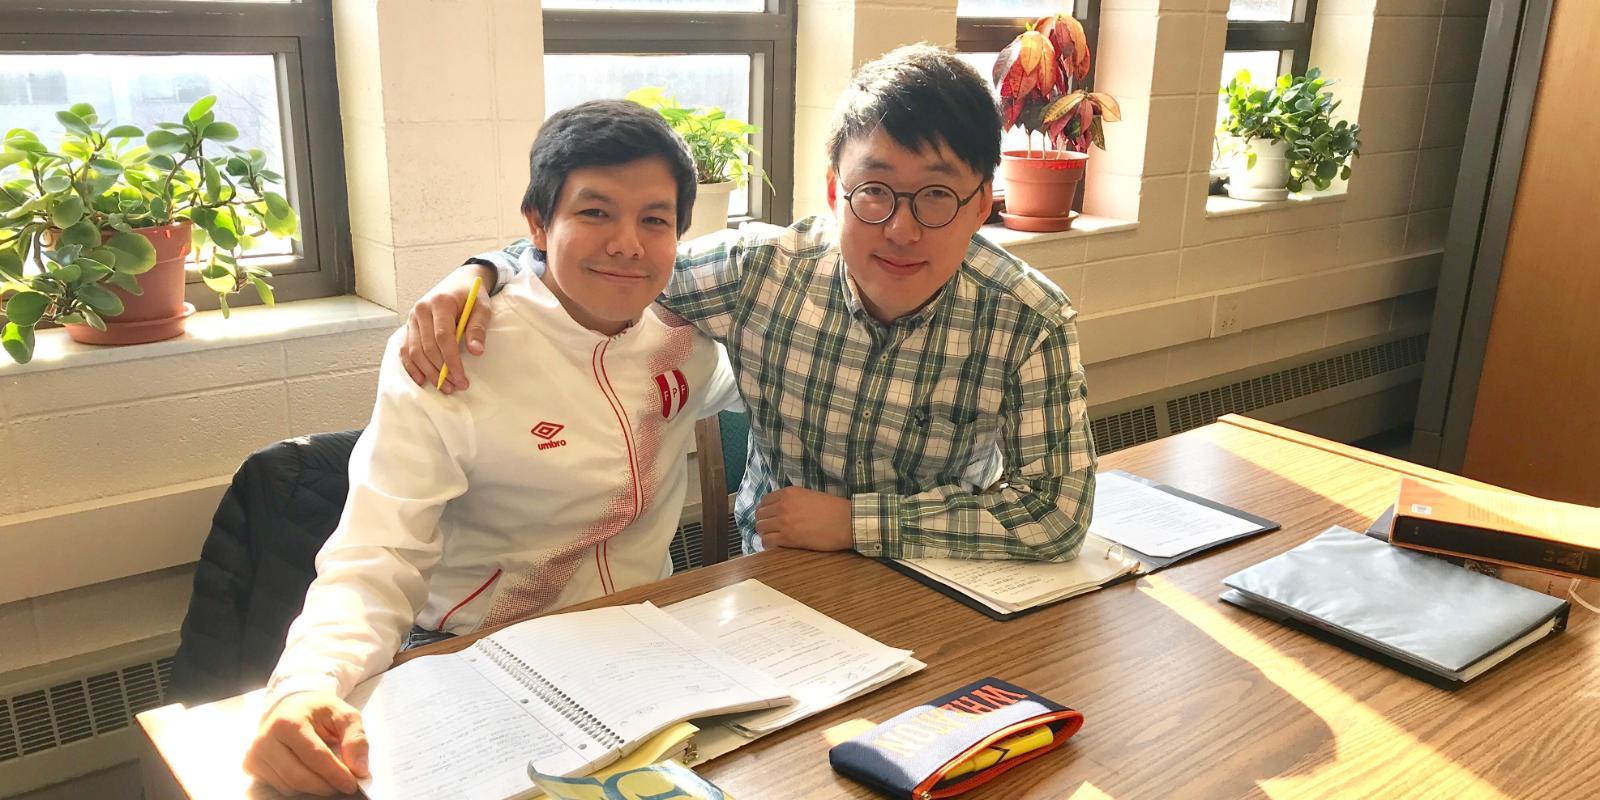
pixel 603 133
pixel 921 96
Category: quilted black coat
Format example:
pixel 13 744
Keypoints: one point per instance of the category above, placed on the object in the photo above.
pixel 257 562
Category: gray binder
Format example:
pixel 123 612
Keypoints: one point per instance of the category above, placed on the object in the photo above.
pixel 1398 605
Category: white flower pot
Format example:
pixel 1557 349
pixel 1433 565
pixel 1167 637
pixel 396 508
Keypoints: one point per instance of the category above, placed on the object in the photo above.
pixel 1268 180
pixel 710 209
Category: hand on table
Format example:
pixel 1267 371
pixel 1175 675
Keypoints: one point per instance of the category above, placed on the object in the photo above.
pixel 310 742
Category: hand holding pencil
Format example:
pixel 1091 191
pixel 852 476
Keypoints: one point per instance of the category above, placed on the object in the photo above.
pixel 461 326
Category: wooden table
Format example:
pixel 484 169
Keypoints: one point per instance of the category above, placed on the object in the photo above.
pixel 1183 695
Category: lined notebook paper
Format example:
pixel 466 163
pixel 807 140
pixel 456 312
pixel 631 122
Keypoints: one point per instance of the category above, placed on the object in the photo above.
pixel 569 692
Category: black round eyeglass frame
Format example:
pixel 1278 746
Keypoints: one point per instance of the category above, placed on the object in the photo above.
pixel 911 197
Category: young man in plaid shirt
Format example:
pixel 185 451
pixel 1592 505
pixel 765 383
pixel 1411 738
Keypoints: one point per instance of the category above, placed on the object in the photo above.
pixel 914 390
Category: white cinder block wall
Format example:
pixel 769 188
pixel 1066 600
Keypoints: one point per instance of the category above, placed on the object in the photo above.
pixel 114 468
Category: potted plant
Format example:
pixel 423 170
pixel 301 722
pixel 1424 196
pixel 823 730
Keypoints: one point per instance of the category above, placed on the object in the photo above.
pixel 1288 137
pixel 94 233
pixel 1041 77
pixel 718 144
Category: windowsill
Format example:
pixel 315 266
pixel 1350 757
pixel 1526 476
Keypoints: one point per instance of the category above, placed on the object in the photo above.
pixel 207 330
pixel 1084 225
pixel 1225 206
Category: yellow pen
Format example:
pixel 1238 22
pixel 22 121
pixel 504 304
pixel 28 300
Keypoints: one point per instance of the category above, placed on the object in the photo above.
pixel 1004 750
pixel 461 325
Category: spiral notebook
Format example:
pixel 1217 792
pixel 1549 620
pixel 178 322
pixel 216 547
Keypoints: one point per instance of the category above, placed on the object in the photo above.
pixel 568 693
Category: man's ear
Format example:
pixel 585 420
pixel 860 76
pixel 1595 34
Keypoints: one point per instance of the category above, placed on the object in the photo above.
pixel 833 190
pixel 985 200
pixel 536 230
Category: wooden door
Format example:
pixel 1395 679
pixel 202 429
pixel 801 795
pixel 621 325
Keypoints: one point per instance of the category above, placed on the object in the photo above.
pixel 1536 420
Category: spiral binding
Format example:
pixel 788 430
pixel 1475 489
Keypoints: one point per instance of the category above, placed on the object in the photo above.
pixel 547 692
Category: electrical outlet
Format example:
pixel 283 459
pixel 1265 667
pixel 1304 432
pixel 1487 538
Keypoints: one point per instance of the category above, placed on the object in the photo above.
pixel 1226 318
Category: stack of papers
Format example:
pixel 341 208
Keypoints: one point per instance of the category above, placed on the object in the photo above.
pixel 816 660
pixel 1162 523
pixel 1009 587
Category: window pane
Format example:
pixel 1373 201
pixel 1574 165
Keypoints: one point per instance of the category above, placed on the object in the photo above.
pixel 1275 10
pixel 1263 65
pixel 143 90
pixel 695 80
pixel 1012 8
pixel 755 6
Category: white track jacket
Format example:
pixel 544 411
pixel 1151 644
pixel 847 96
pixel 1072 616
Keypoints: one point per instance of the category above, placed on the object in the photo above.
pixel 559 476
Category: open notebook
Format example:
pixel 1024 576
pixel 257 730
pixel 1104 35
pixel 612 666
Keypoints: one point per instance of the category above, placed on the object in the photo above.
pixel 1139 526
pixel 1003 589
pixel 817 660
pixel 568 693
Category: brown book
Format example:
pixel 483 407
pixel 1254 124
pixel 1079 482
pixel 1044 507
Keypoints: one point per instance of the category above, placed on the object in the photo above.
pixel 1543 582
pixel 1499 526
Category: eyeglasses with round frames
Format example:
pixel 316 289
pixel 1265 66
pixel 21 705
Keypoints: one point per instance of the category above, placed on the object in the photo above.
pixel 933 206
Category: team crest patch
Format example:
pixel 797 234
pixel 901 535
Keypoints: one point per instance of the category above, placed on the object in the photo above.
pixel 674 389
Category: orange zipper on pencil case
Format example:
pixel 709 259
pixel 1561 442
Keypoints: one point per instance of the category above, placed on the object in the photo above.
pixel 1071 721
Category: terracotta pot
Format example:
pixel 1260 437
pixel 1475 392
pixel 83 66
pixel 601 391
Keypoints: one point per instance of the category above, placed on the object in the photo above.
pixel 710 209
pixel 1040 188
pixel 160 311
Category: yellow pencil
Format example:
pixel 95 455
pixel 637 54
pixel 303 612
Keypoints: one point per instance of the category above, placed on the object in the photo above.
pixel 461 325
pixel 1004 750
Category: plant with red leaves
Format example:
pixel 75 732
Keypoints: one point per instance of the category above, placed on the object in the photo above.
pixel 1040 76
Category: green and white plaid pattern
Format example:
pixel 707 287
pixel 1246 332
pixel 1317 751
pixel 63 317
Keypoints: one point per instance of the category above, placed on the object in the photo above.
pixel 960 430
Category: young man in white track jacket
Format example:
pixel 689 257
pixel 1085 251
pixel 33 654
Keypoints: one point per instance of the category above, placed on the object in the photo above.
pixel 542 488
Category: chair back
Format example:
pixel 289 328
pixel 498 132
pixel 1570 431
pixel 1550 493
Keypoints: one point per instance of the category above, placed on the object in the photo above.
pixel 721 449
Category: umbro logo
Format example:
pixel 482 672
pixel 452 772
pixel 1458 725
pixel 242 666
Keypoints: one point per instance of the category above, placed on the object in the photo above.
pixel 547 431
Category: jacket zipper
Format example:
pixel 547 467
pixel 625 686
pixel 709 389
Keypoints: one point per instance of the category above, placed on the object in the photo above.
pixel 603 378
pixel 470 597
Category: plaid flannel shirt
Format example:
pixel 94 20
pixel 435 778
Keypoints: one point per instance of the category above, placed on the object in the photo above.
pixel 960 430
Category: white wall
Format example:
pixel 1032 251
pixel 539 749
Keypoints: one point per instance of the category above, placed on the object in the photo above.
pixel 113 468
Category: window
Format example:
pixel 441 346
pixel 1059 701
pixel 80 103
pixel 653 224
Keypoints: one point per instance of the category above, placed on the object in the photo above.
pixel 1268 37
pixel 270 64
pixel 734 54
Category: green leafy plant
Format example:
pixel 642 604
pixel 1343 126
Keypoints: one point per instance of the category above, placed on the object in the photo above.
pixel 1041 77
pixel 1297 111
pixel 104 182
pixel 717 142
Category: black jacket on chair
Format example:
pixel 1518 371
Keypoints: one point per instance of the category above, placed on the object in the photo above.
pixel 257 562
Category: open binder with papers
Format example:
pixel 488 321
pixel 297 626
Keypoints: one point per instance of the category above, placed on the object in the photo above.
pixel 1138 527
pixel 1006 589
pixel 569 694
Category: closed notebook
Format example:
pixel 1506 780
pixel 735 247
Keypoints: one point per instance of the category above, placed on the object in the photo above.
pixel 1397 605
pixel 956 742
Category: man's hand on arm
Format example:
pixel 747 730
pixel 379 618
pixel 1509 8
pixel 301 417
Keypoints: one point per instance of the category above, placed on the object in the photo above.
pixel 804 519
pixel 310 742
pixel 431 328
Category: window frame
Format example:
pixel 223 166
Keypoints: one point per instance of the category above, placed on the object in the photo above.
pixel 767 36
pixel 299 35
pixel 992 34
pixel 1293 36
